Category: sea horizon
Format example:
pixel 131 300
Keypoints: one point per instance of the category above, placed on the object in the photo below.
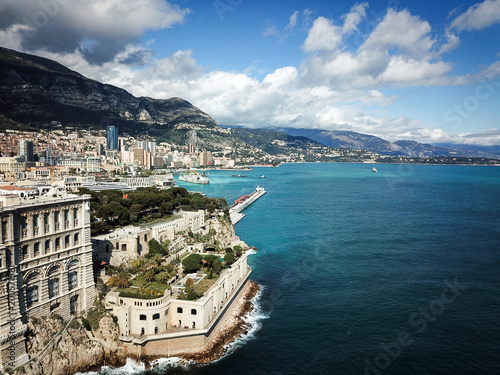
pixel 391 272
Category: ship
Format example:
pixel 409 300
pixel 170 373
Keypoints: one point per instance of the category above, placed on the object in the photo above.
pixel 194 177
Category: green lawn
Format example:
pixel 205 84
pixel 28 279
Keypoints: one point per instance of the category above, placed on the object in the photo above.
pixel 150 290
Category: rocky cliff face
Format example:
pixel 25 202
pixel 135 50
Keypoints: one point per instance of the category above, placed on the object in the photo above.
pixel 56 353
pixel 37 91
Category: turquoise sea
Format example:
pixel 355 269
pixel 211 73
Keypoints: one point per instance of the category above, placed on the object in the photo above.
pixel 395 272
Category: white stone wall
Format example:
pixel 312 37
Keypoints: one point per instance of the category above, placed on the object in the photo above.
pixel 145 317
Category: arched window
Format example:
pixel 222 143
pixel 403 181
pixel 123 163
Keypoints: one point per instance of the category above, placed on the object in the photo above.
pixel 53 276
pixel 36 249
pixel 194 312
pixel 73 305
pixel 179 310
pixel 32 288
pixel 72 274
pixel 58 243
pixel 143 317
pixel 156 316
pixel 25 252
pixel 66 242
pixel 47 246
pixel 76 238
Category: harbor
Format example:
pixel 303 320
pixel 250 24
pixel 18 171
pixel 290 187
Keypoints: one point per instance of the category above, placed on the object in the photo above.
pixel 243 202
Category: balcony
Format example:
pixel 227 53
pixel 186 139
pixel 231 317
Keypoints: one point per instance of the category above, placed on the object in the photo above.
pixel 47 228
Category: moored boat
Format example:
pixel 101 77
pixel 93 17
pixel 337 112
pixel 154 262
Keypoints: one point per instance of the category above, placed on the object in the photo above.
pixel 194 177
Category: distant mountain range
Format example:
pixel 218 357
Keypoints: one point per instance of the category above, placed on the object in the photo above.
pixel 353 140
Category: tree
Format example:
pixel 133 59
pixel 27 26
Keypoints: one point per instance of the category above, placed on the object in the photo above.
pixel 149 275
pixel 192 263
pixel 162 277
pixel 229 257
pixel 154 247
pixel 120 280
pixel 238 250
pixel 189 285
pixel 210 260
pixel 217 265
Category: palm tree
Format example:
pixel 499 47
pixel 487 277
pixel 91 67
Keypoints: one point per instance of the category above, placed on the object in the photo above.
pixel 162 277
pixel 149 274
pixel 120 280
pixel 158 258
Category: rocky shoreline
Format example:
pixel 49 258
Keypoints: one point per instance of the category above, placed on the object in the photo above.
pixel 233 328
pixel 76 350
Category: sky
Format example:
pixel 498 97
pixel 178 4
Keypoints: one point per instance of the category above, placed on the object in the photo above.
pixel 421 70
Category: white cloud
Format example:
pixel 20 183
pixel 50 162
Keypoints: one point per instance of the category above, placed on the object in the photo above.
pixel 281 35
pixel 354 17
pixel 323 36
pixel 401 30
pixel 292 21
pixel 478 16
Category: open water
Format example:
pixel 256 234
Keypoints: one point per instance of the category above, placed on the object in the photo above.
pixel 395 272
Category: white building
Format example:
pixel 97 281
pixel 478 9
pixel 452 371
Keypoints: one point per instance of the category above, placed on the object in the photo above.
pixel 82 164
pixel 168 317
pixel 129 242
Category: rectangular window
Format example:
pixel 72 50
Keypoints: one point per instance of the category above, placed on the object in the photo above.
pixel 53 288
pixel 31 295
pixel 72 280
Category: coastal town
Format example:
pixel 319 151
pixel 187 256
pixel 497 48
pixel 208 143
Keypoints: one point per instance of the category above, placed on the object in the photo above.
pixel 96 243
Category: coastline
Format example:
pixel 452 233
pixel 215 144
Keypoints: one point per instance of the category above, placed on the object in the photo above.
pixel 231 328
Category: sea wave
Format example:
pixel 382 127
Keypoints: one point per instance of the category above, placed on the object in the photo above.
pixel 130 367
pixel 254 321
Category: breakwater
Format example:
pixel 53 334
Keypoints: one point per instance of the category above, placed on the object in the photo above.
pixel 243 202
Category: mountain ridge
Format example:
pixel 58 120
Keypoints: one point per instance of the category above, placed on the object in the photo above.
pixel 35 90
pixel 353 140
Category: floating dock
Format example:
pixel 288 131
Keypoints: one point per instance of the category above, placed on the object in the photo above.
pixel 243 202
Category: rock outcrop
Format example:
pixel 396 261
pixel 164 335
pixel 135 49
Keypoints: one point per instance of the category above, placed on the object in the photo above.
pixel 56 348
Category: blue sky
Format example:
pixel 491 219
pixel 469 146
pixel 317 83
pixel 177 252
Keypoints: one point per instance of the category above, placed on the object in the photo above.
pixel 421 70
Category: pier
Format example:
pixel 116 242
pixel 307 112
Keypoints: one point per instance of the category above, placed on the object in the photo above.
pixel 243 202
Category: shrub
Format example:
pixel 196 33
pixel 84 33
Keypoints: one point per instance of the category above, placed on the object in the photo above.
pixel 238 250
pixel 229 257
pixel 86 324
pixel 192 263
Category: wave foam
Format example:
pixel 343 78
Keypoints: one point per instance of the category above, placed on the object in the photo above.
pixel 253 319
